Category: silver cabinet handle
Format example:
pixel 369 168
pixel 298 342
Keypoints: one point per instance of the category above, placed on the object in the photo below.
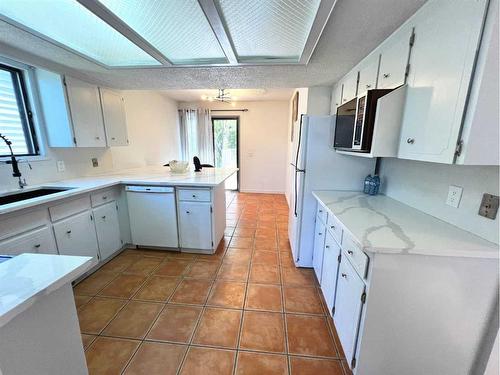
pixel 387 75
pixel 113 138
pixel 103 217
pixel 332 226
pixel 104 197
pixel 368 86
pixel 320 233
pixel 68 232
pixel 327 247
pixel 37 246
pixel 344 275
pixel 410 141
pixel 194 195
pixel 188 212
pixel 349 252
pixel 97 138
pixel 320 210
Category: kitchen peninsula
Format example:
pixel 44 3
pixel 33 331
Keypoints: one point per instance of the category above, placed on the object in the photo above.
pixel 99 215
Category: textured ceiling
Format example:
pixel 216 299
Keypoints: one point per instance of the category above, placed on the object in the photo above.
pixel 354 29
pixel 238 95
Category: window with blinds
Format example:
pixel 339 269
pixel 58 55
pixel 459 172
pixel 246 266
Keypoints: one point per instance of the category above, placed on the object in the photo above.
pixel 15 117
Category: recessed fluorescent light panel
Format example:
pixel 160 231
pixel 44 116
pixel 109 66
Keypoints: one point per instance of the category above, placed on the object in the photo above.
pixel 270 30
pixel 176 28
pixel 142 33
pixel 71 25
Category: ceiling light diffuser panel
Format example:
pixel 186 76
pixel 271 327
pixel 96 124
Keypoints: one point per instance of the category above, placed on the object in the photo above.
pixel 268 30
pixel 176 28
pixel 71 25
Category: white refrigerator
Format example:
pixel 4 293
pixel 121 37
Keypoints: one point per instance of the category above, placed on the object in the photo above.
pixel 316 166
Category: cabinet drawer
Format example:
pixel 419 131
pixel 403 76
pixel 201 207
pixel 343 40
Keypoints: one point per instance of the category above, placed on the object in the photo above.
pixel 69 208
pixel 335 228
pixel 321 213
pixel 356 256
pixel 37 241
pixel 194 195
pixel 102 197
pixel 13 224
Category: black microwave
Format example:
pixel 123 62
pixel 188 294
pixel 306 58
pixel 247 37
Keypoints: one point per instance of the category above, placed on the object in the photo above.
pixel 355 122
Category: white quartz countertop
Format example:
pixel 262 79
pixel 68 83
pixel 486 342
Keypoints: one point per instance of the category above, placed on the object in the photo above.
pixel 154 176
pixel 383 225
pixel 28 277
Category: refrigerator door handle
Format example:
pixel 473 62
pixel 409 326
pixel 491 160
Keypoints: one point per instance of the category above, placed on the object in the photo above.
pixel 298 170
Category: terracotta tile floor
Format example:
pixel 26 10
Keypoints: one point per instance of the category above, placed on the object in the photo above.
pixel 244 310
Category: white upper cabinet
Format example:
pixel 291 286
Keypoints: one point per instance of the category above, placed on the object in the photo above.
pixel 394 59
pixel 481 131
pixel 336 98
pixel 350 86
pixel 368 71
pixel 86 113
pixel 447 33
pixel 113 110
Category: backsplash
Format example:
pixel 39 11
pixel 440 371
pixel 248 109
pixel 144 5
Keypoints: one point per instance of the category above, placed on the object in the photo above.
pixel 424 186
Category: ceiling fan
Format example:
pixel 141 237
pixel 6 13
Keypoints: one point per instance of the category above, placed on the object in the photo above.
pixel 223 96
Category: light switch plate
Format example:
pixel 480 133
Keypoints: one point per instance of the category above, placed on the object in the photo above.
pixel 489 206
pixel 60 166
pixel 454 196
pixel 95 162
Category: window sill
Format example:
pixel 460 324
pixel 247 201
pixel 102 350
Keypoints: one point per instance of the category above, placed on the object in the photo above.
pixel 24 159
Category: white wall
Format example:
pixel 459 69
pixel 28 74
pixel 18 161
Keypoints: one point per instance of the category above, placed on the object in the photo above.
pixel 153 136
pixel 152 122
pixel 425 187
pixel 263 143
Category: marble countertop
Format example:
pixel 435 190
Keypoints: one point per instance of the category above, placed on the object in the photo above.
pixel 28 277
pixel 383 225
pixel 208 177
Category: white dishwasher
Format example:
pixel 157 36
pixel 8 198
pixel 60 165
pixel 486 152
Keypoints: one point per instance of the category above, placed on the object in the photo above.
pixel 153 216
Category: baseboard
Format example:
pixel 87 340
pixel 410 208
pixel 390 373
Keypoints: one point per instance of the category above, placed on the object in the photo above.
pixel 261 191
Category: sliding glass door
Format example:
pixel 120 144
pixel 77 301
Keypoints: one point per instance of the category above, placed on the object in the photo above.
pixel 226 139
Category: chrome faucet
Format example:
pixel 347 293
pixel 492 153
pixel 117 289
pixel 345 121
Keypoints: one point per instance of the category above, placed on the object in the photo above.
pixel 15 167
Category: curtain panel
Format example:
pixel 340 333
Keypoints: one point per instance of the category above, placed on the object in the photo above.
pixel 196 135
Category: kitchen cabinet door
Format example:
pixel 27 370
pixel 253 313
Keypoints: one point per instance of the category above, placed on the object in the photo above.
pixel 76 235
pixel 86 113
pixel 394 58
pixel 336 98
pixel 319 244
pixel 115 124
pixel 368 73
pixel 107 229
pixel 195 225
pixel 350 86
pixel 348 306
pixel 447 33
pixel 330 271
pixel 36 241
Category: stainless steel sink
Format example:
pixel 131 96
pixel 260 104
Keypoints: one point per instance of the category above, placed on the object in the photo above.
pixel 28 194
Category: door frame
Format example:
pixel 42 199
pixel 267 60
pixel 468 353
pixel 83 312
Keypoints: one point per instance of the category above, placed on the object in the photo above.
pixel 230 117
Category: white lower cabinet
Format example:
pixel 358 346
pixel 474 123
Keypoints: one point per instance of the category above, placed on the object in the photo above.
pixel 330 271
pixel 107 229
pixel 195 225
pixel 76 235
pixel 348 307
pixel 319 243
pixel 40 240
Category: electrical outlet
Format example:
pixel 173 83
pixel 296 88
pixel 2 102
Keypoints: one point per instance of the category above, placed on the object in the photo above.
pixel 489 206
pixel 60 166
pixel 95 162
pixel 454 196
